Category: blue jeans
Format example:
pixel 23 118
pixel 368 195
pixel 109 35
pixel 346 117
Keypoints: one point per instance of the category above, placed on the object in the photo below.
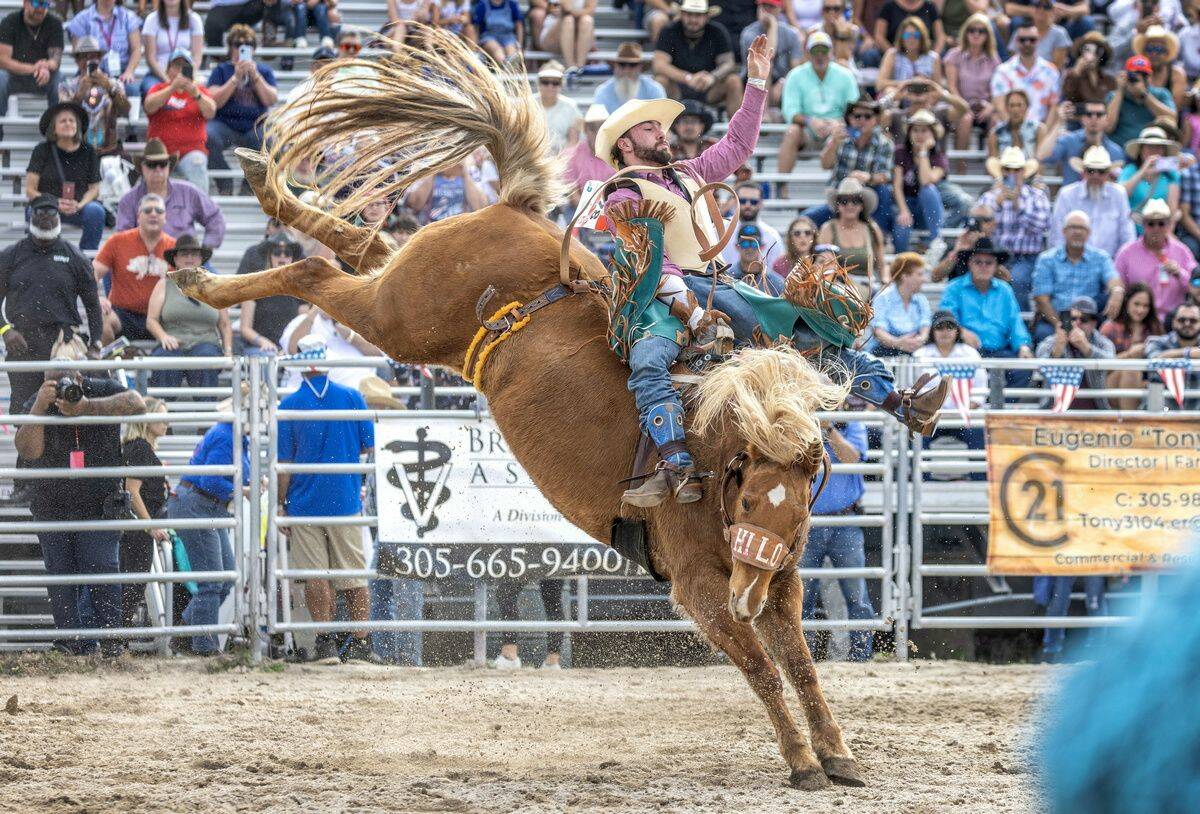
pixel 926 209
pixel 83 552
pixel 956 203
pixel 197 377
pixel 844 547
pixel 10 84
pixel 220 138
pixel 299 15
pixel 1020 266
pixel 1055 594
pixel 1012 378
pixel 394 600
pixel 650 360
pixel 882 215
pixel 208 550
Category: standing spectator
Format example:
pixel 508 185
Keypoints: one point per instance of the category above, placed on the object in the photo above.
pixel 148 496
pixel 243 90
pixel 1022 216
pixel 1015 128
pixel 224 14
pixel 184 326
pixel 172 25
pixel 119 32
pixel 1152 172
pixel 1088 79
pixel 136 260
pixel 920 166
pixel 816 96
pixel 1134 105
pixel 801 238
pixel 446 194
pixel 1157 259
pixel 969 69
pixel 1053 39
pixel 337 342
pixel 208 497
pixel 187 205
pixel 786 40
pixel 981 222
pixel 1029 72
pixel 55 500
pixel 1161 47
pixel 1104 203
pixel 750 198
pixel 101 96
pixel 31 47
pixel 1076 337
pixel 910 57
pixel 694 59
pixel 857 239
pixel 986 309
pixel 860 150
pixel 569 31
pixel 68 168
pixel 320 495
pixel 1071 272
pixel 845 443
pixel 690 130
pixel 500 27
pixel 262 322
pixel 1063 150
pixel 900 324
pixel 177 111
pixel 1129 332
pixel 894 14
pixel 1180 343
pixel 561 112
pixel 628 81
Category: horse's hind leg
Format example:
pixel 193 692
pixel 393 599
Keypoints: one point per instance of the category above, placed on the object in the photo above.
pixel 703 596
pixel 780 626
pixel 361 248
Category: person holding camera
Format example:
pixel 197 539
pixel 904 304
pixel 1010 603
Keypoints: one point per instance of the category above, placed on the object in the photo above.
pixel 119 31
pixel 102 96
pixel 243 90
pixel 1087 79
pixel 67 393
pixel 177 111
pixel 1135 104
pixel 1075 336
pixel 1022 216
pixel 859 149
pixel 1063 150
pixel 980 223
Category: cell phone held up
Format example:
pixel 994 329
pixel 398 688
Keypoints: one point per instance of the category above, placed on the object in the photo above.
pixel 245 52
pixel 188 71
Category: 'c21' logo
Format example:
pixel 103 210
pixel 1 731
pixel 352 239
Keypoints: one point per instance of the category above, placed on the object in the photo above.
pixel 1041 501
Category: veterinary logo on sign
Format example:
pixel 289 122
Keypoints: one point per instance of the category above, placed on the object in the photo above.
pixel 422 493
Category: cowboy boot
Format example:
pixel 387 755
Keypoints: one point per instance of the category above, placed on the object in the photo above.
pixel 676 473
pixel 916 410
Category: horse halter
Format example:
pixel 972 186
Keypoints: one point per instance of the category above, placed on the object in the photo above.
pixel 751 544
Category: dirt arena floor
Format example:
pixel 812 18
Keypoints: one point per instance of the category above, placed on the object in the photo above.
pixel 152 736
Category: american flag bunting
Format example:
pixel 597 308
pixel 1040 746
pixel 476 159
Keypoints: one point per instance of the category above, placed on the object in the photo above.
pixel 961 377
pixel 1174 375
pixel 1065 381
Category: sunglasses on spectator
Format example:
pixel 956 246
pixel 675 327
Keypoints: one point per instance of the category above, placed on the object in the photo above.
pixel 861 117
pixel 977 31
pixel 1083 318
pixel 281 252
pixel 910 35
pixel 156 165
pixel 1155 49
pixel 984 218
pixel 550 83
pixel 1027 40
pixel 1091 114
pixel 802 233
pixel 39 3
pixel 749 201
pixel 152 210
pixel 350 47
pixel 846 200
pixel 1156 224
pixel 832 9
pixel 945 326
pixel 1187 320
pixel 1092 171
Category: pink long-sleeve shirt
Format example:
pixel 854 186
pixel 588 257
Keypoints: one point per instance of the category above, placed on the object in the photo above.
pixel 714 164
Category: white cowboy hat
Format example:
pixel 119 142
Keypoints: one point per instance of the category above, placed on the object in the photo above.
pixel 1094 158
pixel 1152 136
pixel 1013 158
pixel 699 7
pixel 551 70
pixel 853 188
pixel 929 120
pixel 1156 208
pixel 633 112
pixel 1157 32
pixel 596 113
pixel 818 38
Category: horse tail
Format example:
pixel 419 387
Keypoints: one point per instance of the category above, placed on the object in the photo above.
pixel 370 129
pixel 772 396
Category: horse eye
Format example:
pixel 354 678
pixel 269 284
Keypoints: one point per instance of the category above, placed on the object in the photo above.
pixel 745 505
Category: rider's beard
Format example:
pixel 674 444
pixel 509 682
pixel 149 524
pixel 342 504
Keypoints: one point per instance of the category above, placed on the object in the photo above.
pixel 652 155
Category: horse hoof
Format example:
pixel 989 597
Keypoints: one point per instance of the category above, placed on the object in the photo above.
pixel 808 780
pixel 844 771
pixel 254 167
pixel 190 281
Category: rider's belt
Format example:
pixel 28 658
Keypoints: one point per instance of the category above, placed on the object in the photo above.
pixel 852 509
pixel 756 546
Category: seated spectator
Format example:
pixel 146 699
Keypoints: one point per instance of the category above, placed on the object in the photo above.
pixel 656 15
pixel 1015 129
pixel 148 497
pixel 178 111
pixel 1152 172
pixel 1189 42
pixel 1104 203
pixel 340 342
pixel 628 81
pixel 846 443
pixel 1022 216
pixel 223 15
pixel 748 259
pixel 161 35
pixel 446 194
pixel 786 40
pixel 894 14
pixel 1180 343
pixel 946 345
pixel 860 150
pixel 1053 39
pixel 920 166
pixel 1071 272
pixel 750 198
pixel 986 308
pixel 1088 79
pixel 801 238
pixel 1157 259
pixel 981 222
pixel 690 131
pixel 1134 105
pixel 300 13
pixel 694 59
pixel 242 90
pixel 136 260
pixel 900 324
pixel 852 44
pixel 29 63
pixel 183 325
pixel 1031 73
pixel 816 96
pixel 102 97
pixel 858 239
pixel 187 206
pixel 454 16
pixel 562 114
pixel 569 30
pixel 500 27
pixel 1189 208
pixel 1134 324
pixel 1161 48
pixel 119 31
pixel 403 16
pixel 62 446
pixel 68 168
pixel 911 56
pixel 402 227
pixel 262 322
pixel 918 95
pixel 583 164
pixel 1062 150
pixel 969 68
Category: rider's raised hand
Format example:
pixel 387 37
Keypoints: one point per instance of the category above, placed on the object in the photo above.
pixel 758 59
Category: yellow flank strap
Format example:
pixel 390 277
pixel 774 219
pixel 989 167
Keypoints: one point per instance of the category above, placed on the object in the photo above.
pixel 474 373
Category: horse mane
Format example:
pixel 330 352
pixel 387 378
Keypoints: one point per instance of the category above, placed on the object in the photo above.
pixel 771 395
pixel 370 129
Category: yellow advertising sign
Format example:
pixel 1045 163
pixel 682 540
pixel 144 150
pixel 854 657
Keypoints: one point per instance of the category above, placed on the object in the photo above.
pixel 1091 495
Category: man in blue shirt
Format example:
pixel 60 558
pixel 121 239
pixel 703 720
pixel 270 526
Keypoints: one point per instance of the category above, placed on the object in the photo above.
pixel 1064 274
pixel 243 90
pixel 847 444
pixel 320 495
pixel 628 80
pixel 1058 152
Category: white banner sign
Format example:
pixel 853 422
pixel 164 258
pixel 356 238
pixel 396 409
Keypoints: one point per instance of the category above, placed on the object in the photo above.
pixel 454 481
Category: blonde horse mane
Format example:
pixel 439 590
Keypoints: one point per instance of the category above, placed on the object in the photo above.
pixel 369 129
pixel 772 396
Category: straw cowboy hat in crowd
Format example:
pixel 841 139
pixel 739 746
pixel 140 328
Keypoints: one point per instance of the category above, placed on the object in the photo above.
pixel 378 394
pixel 1156 208
pixel 155 150
pixel 699 7
pixel 596 114
pixel 853 188
pixel 187 242
pixel 926 118
pixel 1094 158
pixel 634 112
pixel 1013 158
pixel 1157 32
pixel 1097 39
pixel 1154 137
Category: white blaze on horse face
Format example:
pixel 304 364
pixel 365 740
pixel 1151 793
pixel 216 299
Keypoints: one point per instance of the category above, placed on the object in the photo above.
pixel 743 601
pixel 777 495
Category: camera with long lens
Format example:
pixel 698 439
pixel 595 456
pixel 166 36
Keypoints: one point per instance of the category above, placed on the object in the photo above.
pixel 68 390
